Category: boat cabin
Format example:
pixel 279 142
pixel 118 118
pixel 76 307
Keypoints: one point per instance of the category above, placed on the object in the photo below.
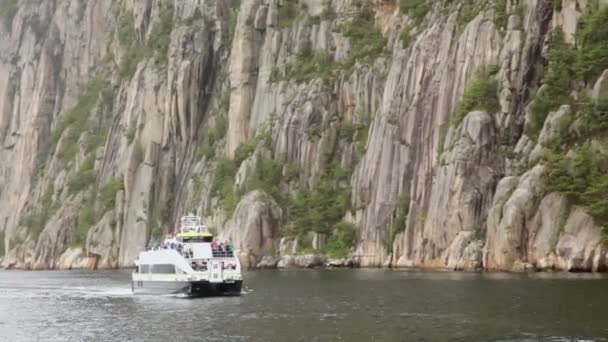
pixel 193 230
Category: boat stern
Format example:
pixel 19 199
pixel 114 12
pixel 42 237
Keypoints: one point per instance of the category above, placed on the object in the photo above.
pixel 206 289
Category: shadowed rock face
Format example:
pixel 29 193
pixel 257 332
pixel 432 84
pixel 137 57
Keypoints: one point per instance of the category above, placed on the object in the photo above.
pixel 116 117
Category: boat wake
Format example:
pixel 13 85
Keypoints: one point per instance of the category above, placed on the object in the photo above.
pixel 246 291
pixel 85 292
pixel 114 291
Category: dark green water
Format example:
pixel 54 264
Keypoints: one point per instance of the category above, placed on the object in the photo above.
pixel 344 305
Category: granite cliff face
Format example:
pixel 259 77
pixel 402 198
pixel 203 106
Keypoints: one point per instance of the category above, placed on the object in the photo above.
pixel 380 133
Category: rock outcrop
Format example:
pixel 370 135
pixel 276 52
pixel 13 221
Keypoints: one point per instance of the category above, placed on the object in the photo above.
pixel 465 253
pixel 302 261
pixel 308 132
pixel 580 245
pixel 513 206
pixel 254 228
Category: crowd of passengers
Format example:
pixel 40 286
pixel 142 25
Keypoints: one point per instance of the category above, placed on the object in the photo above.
pixel 222 249
pixel 167 245
pixel 218 249
pixel 201 265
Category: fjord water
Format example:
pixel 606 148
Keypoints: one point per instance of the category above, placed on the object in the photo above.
pixel 340 305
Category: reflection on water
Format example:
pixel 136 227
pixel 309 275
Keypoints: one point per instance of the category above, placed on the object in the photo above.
pixel 342 305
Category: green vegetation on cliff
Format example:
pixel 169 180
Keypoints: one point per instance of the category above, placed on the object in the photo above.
pixel 323 206
pixel 156 233
pixel 156 46
pixel 40 27
pixel 592 37
pixel 232 19
pixel 139 152
pixel 107 193
pixel 362 135
pixel 400 214
pixel 246 149
pixel 83 178
pixel 480 94
pixel 367 42
pixel 577 165
pixel 159 37
pixel 470 9
pixel 568 65
pixel 214 134
pixel 308 65
pixel 341 240
pixel 415 9
pixel 65 142
pixel 223 185
pixel 134 54
pixel 578 175
pixel 288 12
pixel 8 10
pixel 86 220
pixel 405 37
pixel 77 121
pixel 36 220
pixel 319 208
pixel 267 174
pixel 2 251
pixel 501 17
pixel 162 217
pixel 557 82
pixel 328 12
pixel 356 132
pixel 96 201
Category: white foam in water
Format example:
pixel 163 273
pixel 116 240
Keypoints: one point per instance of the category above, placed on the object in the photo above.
pixel 414 314
pixel 79 291
pixel 176 295
pixel 99 289
pixel 111 291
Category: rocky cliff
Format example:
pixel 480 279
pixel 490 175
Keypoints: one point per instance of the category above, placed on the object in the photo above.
pixel 458 134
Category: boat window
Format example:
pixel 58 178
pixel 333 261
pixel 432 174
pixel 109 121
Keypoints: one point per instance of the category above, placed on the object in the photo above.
pixel 198 239
pixel 163 268
pixel 144 268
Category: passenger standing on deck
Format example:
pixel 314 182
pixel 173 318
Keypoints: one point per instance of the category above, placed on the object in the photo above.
pixel 230 246
pixel 213 245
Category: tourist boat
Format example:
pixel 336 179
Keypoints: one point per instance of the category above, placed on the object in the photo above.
pixel 189 263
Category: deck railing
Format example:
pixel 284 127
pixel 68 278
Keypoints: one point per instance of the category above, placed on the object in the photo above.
pixel 222 254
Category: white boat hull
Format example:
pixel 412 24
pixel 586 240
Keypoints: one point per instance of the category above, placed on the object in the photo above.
pixel 190 288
